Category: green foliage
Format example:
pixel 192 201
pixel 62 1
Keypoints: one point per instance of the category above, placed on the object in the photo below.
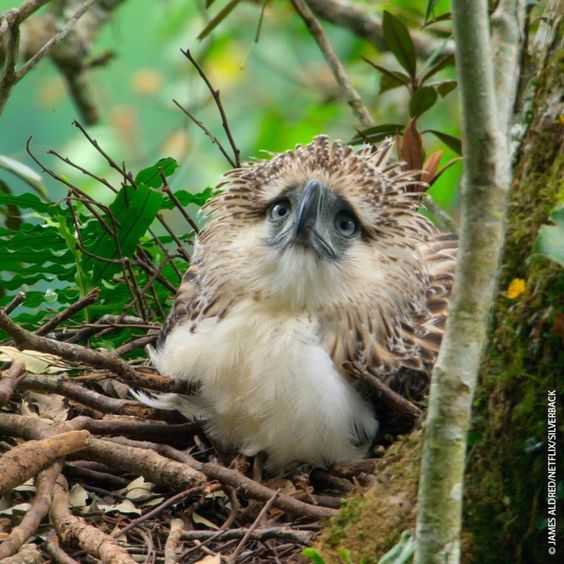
pixel 71 247
pixel 313 555
pixel 550 240
pixel 399 42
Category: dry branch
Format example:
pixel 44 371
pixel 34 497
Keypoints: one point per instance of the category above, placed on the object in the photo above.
pixel 174 537
pixel 73 529
pixel 29 554
pixel 269 533
pixel 40 505
pixel 69 312
pixel 348 92
pixel 10 379
pixel 24 461
pixel 75 353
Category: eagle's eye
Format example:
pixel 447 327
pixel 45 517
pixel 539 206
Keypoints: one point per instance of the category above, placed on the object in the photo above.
pixel 346 224
pixel 280 210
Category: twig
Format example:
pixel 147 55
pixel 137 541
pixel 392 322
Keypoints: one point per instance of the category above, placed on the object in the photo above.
pixel 65 30
pixel 172 540
pixel 76 353
pixel 217 99
pixel 276 533
pixel 155 511
pixel 26 460
pixel 10 379
pixel 236 480
pixel 40 505
pixel 56 384
pixel 442 218
pixel 73 529
pixel 28 554
pixel 348 92
pixel 211 136
pixel 486 182
pixel 136 344
pixel 56 552
pixel 69 312
pixel 16 301
pixel 233 558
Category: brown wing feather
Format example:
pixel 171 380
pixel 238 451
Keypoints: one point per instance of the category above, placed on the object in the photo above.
pixel 398 347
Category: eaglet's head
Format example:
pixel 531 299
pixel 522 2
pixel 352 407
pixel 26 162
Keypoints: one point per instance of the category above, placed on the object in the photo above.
pixel 313 226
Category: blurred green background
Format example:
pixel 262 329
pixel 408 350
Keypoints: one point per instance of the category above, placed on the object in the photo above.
pixel 277 92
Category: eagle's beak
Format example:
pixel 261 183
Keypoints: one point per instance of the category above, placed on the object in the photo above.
pixel 309 214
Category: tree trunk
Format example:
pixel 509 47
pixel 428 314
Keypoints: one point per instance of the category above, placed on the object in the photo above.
pixel 505 506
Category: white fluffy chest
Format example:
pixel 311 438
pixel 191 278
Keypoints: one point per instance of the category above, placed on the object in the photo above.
pixel 268 385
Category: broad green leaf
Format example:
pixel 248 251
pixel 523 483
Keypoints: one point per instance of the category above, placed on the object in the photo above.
pixel 443 62
pixel 444 87
pixel 151 176
pixel 313 555
pixel 187 198
pixel 27 201
pixel 133 210
pixel 550 240
pixel 430 9
pixel 377 133
pixel 449 140
pixel 398 40
pixel 389 79
pixel 422 100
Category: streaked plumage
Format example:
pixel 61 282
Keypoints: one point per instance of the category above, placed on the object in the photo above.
pixel 285 302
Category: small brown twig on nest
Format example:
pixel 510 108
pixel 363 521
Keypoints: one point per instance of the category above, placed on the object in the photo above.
pixel 17 300
pixel 26 460
pixel 263 512
pixel 76 353
pixel 40 505
pixel 278 533
pixel 10 379
pixel 172 540
pixel 73 529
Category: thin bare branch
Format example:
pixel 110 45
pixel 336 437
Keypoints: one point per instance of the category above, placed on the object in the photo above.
pixel 348 92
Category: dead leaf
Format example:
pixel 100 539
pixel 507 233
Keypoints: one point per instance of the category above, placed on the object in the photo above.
pixel 138 488
pixel 126 507
pixel 412 147
pixel 210 559
pixel 35 362
pixel 430 167
pixel 199 520
pixel 78 496
pixel 49 406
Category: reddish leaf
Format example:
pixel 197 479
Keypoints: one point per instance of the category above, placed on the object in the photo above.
pixel 430 167
pixel 412 147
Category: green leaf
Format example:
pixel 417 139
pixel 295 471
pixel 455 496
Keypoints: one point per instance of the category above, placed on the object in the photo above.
pixel 449 140
pixel 377 133
pixel 430 9
pixel 151 176
pixel 133 210
pixel 313 555
pixel 422 100
pixel 27 201
pixel 390 79
pixel 398 40
pixel 550 240
pixel 186 198
pixel 443 62
pixel 444 87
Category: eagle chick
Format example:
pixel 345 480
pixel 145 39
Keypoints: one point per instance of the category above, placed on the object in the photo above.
pixel 315 266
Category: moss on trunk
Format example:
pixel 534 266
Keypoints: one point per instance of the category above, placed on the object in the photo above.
pixel 505 508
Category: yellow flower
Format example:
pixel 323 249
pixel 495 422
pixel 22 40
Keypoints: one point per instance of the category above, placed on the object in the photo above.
pixel 516 288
